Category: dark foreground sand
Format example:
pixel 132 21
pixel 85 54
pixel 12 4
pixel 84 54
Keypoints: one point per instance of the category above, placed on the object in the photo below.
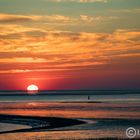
pixel 37 123
pixel 91 120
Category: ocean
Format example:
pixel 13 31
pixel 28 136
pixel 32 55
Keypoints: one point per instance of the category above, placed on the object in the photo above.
pixel 106 113
pixel 77 95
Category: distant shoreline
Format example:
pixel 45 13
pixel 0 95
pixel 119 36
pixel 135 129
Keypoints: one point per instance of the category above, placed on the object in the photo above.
pixel 68 92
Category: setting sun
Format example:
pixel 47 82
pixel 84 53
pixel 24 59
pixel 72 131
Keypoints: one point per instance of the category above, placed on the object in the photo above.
pixel 32 88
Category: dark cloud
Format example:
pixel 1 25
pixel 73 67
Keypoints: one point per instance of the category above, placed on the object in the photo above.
pixel 36 33
pixel 15 19
pixel 8 18
pixel 11 36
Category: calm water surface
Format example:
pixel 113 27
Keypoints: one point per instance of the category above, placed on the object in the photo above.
pixel 103 114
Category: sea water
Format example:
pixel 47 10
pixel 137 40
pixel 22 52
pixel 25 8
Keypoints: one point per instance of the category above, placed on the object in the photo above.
pixel 113 95
pixel 107 113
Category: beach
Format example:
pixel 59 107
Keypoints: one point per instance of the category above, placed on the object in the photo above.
pixel 67 119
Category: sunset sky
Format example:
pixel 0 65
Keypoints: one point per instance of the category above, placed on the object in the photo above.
pixel 70 44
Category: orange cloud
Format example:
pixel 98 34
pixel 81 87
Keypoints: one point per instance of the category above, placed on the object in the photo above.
pixel 52 19
pixel 36 49
pixel 9 18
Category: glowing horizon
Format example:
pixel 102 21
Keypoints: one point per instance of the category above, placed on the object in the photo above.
pixel 73 44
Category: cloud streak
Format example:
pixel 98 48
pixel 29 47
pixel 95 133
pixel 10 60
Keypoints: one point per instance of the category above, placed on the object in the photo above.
pixel 80 1
pixel 9 18
pixel 53 19
pixel 36 49
pixel 136 10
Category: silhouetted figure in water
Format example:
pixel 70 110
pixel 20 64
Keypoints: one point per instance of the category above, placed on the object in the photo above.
pixel 88 97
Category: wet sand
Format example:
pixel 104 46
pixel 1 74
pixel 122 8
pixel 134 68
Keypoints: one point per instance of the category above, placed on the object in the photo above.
pixel 69 120
pixel 37 123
